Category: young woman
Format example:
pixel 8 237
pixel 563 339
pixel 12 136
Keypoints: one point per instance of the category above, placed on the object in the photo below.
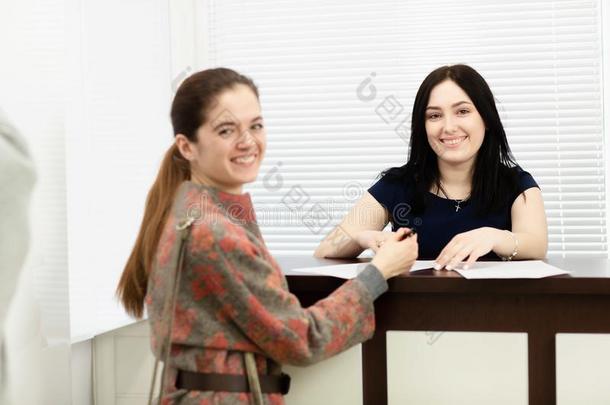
pixel 461 189
pixel 232 300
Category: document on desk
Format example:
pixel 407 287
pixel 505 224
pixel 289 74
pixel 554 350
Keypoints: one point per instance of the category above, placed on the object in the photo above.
pixel 480 270
pixel 507 270
pixel 351 270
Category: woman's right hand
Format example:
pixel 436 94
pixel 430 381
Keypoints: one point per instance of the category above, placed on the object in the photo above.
pixel 396 255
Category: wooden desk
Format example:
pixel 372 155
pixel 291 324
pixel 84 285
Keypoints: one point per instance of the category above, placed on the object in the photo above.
pixel 444 301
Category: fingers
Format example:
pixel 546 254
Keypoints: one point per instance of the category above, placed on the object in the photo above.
pixel 474 256
pixel 409 231
pixel 452 255
pixel 471 245
pixel 392 241
pixel 400 233
pixel 393 236
pixel 406 233
pixel 410 244
pixel 376 243
pixel 375 240
pixel 446 255
pixel 458 258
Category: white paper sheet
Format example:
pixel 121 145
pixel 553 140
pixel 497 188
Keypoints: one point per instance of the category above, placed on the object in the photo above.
pixel 480 270
pixel 351 270
pixel 347 271
pixel 422 265
pixel 507 270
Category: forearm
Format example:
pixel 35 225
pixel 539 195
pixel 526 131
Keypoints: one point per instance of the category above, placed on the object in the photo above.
pixel 343 241
pixel 339 244
pixel 527 245
pixel 347 306
pixel 274 320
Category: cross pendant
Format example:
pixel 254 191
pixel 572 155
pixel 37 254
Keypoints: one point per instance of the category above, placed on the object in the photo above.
pixel 457 206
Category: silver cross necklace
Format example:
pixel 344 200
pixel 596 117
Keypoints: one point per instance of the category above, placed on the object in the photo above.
pixel 457 205
pixel 457 202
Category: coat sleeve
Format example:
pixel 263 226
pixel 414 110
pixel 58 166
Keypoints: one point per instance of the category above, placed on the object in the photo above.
pixel 16 183
pixel 253 296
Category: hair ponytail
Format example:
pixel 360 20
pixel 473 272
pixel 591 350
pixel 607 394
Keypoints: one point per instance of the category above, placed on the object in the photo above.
pixel 132 286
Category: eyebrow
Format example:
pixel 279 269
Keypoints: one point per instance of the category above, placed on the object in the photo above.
pixel 233 124
pixel 452 106
pixel 224 123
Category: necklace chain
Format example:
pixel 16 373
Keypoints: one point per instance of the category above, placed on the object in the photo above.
pixel 457 202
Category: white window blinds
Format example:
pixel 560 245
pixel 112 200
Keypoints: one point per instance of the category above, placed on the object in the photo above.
pixel 338 80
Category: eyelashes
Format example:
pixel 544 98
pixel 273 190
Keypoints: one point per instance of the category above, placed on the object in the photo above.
pixel 436 116
pixel 228 131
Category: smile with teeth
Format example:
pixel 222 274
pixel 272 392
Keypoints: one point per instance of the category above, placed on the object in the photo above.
pixel 453 141
pixel 244 160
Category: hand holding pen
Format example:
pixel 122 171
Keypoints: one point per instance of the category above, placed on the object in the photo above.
pixel 397 253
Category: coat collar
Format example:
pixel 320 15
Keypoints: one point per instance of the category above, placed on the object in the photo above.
pixel 195 200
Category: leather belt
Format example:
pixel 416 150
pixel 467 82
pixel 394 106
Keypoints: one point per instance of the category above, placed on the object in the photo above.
pixel 193 381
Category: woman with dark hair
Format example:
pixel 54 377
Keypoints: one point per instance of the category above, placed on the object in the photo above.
pixel 221 316
pixel 461 189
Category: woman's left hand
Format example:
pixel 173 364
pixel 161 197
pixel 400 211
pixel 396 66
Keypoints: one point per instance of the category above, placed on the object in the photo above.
pixel 472 245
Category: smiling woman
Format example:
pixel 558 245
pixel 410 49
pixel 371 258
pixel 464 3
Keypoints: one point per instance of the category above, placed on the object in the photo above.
pixel 455 129
pixel 220 312
pixel 461 188
pixel 229 147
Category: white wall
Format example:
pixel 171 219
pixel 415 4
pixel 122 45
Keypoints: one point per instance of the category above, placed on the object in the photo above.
pixel 117 132
pixel 32 92
pixel 82 373
pixel 88 84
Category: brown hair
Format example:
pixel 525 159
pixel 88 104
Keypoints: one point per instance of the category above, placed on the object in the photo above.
pixel 193 100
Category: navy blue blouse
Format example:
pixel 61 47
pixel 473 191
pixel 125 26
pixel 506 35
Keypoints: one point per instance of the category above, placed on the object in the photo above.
pixel 440 222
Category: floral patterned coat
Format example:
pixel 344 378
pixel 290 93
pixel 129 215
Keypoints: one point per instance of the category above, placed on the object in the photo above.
pixel 232 297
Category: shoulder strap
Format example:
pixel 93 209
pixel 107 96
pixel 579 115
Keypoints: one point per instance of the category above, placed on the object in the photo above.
pixel 170 306
pixel 253 380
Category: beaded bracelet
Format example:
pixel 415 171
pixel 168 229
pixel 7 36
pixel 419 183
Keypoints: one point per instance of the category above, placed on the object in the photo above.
pixel 512 255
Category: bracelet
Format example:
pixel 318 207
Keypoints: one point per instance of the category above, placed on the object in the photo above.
pixel 512 255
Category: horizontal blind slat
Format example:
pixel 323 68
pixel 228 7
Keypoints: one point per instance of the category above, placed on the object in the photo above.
pixel 541 59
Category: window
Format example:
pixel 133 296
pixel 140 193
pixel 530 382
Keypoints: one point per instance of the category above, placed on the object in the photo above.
pixel 327 140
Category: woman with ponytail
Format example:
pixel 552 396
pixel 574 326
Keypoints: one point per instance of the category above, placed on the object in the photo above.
pixel 232 321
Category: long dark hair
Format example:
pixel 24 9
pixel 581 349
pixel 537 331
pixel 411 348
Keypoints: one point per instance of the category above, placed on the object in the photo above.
pixel 194 99
pixel 494 175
